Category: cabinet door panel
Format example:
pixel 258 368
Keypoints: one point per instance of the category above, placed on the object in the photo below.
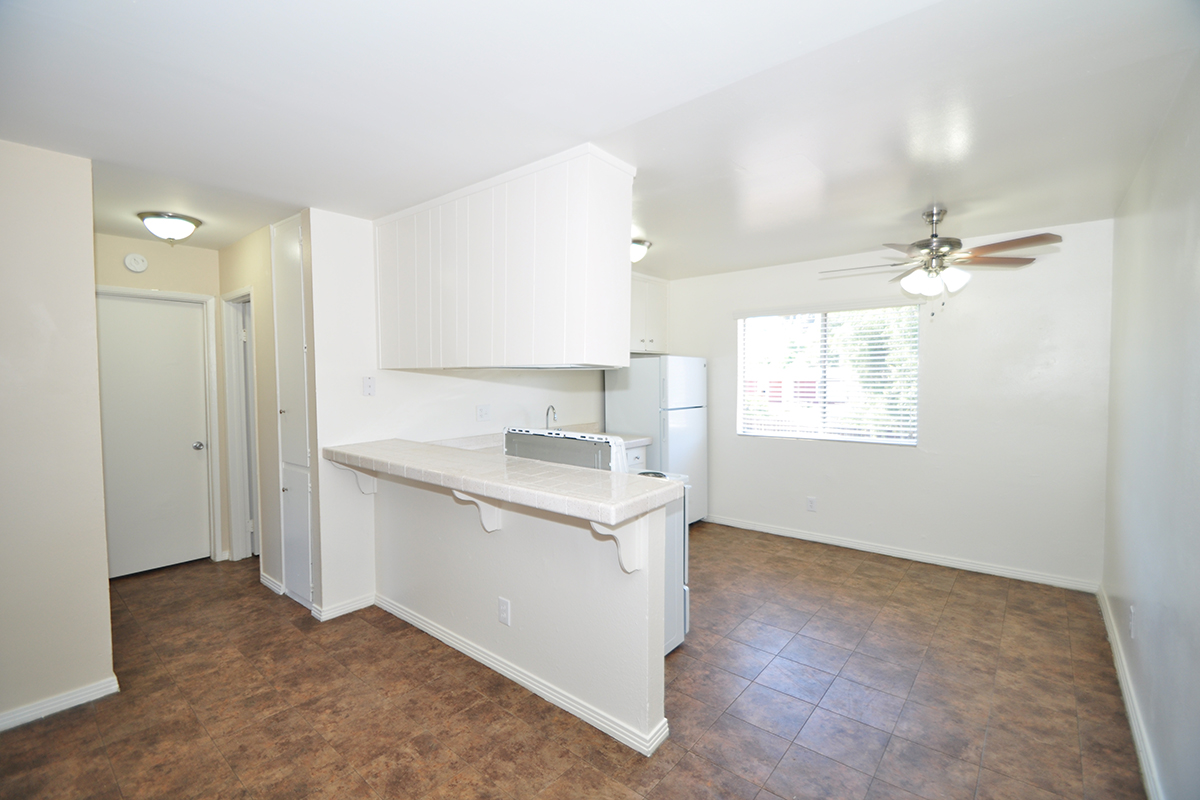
pixel 462 292
pixel 448 331
pixel 639 289
pixel 405 308
pixel 550 293
pixel 290 356
pixel 581 314
pixel 480 249
pixel 657 316
pixel 522 279
pixel 422 268
pixel 387 293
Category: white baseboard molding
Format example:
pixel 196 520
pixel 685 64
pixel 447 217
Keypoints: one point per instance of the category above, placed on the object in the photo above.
pixel 645 744
pixel 60 702
pixel 323 613
pixel 222 556
pixel 1033 576
pixel 269 582
pixel 1137 724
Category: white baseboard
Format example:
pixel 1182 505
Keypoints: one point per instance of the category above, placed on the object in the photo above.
pixel 60 702
pixel 645 744
pixel 1137 724
pixel 323 613
pixel 914 555
pixel 269 582
pixel 222 556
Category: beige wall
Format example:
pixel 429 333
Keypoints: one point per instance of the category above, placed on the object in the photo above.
pixel 247 265
pixel 172 269
pixel 55 631
pixel 1152 549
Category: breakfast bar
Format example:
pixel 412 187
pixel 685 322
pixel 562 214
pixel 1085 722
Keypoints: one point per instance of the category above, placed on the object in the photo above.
pixel 550 574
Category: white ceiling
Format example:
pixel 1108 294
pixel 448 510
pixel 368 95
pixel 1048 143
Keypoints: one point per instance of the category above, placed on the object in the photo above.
pixel 764 132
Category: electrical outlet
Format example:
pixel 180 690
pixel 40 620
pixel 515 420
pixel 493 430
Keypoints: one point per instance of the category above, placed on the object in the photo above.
pixel 505 612
pixel 812 504
pixel 369 387
pixel 1132 629
pixel 483 413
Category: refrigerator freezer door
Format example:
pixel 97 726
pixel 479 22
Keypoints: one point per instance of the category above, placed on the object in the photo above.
pixel 684 448
pixel 684 382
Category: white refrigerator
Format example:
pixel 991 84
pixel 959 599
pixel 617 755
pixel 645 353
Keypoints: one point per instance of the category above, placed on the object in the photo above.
pixel 665 398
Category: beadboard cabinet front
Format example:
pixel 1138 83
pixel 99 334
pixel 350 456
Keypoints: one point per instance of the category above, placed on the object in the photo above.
pixel 528 270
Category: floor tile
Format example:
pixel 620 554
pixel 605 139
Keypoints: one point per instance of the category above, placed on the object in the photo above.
pixel 774 712
pixel 711 685
pixel 878 674
pixel 806 775
pixel 695 778
pixel 761 635
pixel 844 740
pixel 744 749
pixel 816 653
pixel 926 772
pixel 800 681
pixel 862 703
pixel 737 658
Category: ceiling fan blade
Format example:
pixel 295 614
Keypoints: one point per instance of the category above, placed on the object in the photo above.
pixel 906 274
pixel 899 265
pixel 1014 244
pixel 903 248
pixel 992 261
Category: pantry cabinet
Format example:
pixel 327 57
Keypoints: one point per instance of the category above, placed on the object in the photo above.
pixel 530 269
pixel 649 314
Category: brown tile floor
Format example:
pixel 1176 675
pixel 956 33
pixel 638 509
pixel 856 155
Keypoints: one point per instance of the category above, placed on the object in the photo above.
pixel 811 672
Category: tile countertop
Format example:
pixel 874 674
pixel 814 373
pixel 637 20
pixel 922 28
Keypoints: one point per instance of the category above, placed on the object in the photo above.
pixel 608 498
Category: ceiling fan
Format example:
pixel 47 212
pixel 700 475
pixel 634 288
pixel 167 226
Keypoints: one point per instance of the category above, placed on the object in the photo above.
pixel 933 264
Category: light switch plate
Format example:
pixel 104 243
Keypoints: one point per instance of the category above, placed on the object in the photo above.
pixel 369 387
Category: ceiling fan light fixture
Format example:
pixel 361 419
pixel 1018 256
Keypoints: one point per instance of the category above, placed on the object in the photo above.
pixel 638 249
pixel 922 283
pixel 170 226
pixel 955 278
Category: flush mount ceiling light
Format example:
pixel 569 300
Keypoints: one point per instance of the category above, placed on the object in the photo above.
pixel 165 225
pixel 637 250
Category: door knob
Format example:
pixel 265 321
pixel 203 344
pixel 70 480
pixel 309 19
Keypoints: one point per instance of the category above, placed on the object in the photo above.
pixel 197 445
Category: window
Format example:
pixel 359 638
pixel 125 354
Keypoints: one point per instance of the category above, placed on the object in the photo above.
pixel 842 375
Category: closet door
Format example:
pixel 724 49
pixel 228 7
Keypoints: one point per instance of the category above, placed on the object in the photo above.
pixel 291 361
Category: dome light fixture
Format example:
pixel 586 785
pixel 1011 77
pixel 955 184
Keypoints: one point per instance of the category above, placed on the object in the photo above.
pixel 169 226
pixel 637 250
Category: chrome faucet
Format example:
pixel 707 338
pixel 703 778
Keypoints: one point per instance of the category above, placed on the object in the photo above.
pixel 550 410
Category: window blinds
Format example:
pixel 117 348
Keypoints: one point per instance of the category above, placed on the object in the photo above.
pixel 841 375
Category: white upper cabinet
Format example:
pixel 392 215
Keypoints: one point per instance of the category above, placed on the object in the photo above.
pixel 530 269
pixel 650 312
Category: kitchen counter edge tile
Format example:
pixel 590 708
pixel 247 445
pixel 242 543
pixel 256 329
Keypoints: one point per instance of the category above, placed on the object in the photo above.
pixel 608 498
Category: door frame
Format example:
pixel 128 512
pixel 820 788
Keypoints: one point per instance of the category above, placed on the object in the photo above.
pixel 240 425
pixel 210 397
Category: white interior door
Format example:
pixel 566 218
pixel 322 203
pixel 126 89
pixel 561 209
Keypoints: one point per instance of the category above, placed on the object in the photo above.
pixel 153 415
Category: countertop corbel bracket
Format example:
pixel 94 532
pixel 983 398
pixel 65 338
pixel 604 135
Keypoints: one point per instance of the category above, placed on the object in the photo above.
pixel 489 512
pixel 630 541
pixel 367 484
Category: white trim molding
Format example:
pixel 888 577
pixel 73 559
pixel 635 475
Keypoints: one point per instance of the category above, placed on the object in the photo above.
pixel 269 582
pixel 1062 581
pixel 59 702
pixel 645 744
pixel 323 613
pixel 1137 723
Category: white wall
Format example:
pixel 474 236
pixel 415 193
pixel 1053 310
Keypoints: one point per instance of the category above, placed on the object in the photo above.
pixel 55 632
pixel 1152 555
pixel 416 405
pixel 1009 473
